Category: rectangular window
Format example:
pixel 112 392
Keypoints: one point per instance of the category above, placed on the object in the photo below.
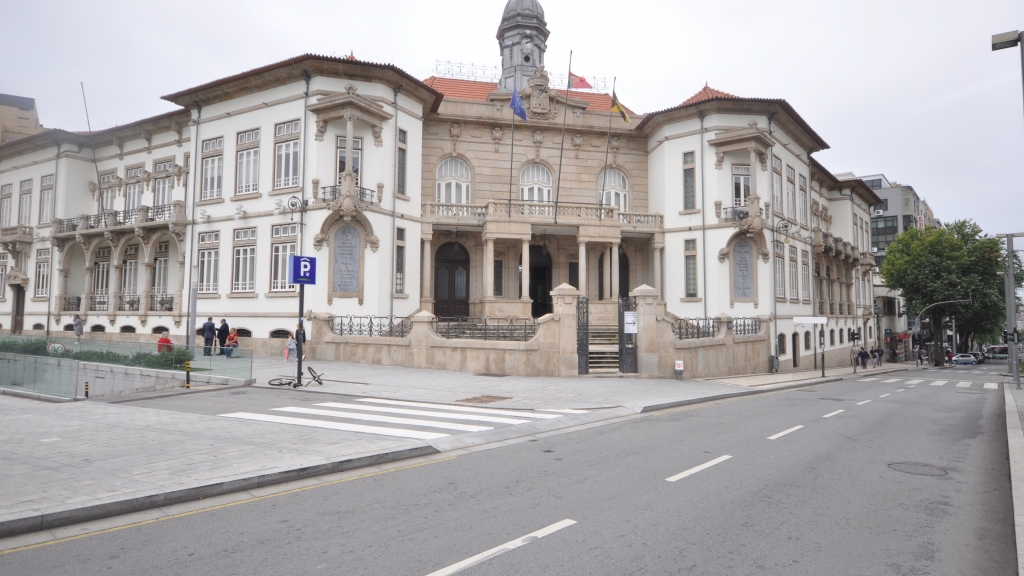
pixel 209 237
pixel 160 277
pixel 101 280
pixel 245 269
pixel 284 230
pixel 794 288
pixel 46 181
pixel 133 172
pixel 777 183
pixel 357 157
pixel 780 270
pixel 25 210
pixel 243 234
pixel 690 261
pixel 400 261
pixel 249 136
pixel 26 186
pixel 401 172
pixel 689 181
pixel 163 166
pixel 883 231
pixel 805 274
pixel 208 270
pixel 162 194
pixel 280 256
pixel 740 185
pixel 803 206
pixel 248 171
pixel 3 275
pixel 46 206
pixel 574 275
pixel 213 171
pixel 130 278
pixel 499 275
pixel 132 195
pixel 286 164
pixel 42 279
pixel 107 196
pixel 5 211
pixel 287 128
pixel 213 145
pixel 790 192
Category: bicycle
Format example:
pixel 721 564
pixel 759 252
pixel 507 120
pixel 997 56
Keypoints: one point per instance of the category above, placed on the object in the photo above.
pixel 293 382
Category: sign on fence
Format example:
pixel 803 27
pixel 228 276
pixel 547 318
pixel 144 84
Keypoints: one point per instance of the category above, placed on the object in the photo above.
pixel 629 322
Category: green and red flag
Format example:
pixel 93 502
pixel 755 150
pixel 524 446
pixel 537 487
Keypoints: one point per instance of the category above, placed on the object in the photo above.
pixel 578 82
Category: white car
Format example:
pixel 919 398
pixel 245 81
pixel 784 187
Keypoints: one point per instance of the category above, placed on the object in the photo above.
pixel 964 359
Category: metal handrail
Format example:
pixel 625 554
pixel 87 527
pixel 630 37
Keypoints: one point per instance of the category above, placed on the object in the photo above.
pixel 368 195
pixel 390 326
pixel 65 225
pixel 691 328
pixel 745 326
pixel 507 329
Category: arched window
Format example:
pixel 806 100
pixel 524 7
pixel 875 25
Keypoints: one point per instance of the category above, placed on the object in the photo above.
pixel 807 340
pixel 840 336
pixel 831 337
pixel 535 183
pixel 782 345
pixel 616 189
pixel 871 333
pixel 281 334
pixel 38 327
pixel 453 182
pixel 97 328
pixel 127 329
pixel 161 330
pixel 69 327
pixel 244 333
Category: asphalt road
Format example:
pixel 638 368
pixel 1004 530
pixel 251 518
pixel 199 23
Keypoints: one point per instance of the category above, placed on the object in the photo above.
pixel 915 481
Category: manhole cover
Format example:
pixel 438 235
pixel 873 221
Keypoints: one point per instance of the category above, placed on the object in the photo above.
pixel 483 399
pixel 918 468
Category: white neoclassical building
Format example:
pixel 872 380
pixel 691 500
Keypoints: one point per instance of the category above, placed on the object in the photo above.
pixel 415 198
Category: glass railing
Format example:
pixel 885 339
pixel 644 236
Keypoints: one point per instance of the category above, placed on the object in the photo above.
pixel 50 376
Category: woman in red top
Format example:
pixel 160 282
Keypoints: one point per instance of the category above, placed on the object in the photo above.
pixel 231 343
pixel 164 344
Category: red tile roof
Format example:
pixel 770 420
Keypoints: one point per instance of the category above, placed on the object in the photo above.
pixel 708 93
pixel 475 90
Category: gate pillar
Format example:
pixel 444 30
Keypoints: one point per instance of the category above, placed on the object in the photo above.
pixel 647 328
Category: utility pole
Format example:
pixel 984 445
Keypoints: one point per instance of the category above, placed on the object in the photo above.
pixel 1011 311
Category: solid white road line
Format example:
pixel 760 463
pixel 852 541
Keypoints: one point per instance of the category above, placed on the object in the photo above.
pixel 564 410
pixel 338 426
pixel 939 382
pixel 831 414
pixel 784 432
pixel 964 384
pixel 991 386
pixel 498 550
pixel 867 379
pixel 864 402
pixel 914 381
pixel 884 395
pixel 891 380
pixel 696 469
pixel 520 413
pixel 408 412
pixel 388 419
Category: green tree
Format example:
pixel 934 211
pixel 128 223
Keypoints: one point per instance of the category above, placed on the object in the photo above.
pixel 941 264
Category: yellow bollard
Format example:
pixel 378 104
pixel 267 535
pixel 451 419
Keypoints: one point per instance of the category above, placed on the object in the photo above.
pixel 86 390
pixel 188 375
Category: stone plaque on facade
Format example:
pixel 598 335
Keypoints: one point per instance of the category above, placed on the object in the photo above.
pixel 346 259
pixel 743 270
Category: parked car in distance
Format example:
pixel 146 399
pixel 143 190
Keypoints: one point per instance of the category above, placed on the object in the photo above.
pixel 979 357
pixel 964 359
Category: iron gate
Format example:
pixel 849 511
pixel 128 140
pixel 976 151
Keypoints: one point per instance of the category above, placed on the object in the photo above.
pixel 627 342
pixel 583 334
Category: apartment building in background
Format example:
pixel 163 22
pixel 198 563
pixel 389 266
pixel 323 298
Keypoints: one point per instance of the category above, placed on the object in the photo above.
pixel 18 118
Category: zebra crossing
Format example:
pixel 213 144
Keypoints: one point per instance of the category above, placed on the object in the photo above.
pixel 401 418
pixel 914 382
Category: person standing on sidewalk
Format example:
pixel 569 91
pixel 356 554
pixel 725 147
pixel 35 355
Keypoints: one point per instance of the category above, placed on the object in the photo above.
pixel 881 356
pixel 78 329
pixel 209 332
pixel 863 358
pixel 289 347
pixel 300 340
pixel 222 335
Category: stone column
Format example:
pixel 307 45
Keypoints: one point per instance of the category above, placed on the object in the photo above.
pixel 181 286
pixel 147 289
pixel 62 280
pixel 657 272
pixel 753 177
pixel 114 290
pixel 614 291
pixel 526 270
pixel 647 330
pixel 583 269
pixel 606 273
pixel 427 292
pixel 489 269
pixel 87 295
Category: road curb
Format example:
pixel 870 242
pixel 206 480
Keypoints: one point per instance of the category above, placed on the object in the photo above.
pixel 47 520
pixel 1015 447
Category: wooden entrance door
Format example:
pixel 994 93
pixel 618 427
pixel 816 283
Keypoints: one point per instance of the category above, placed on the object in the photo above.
pixel 451 281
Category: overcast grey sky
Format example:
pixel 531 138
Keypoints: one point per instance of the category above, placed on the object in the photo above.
pixel 909 88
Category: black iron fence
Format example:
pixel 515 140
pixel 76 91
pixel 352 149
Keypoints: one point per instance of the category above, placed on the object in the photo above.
pixel 393 326
pixel 129 303
pixel 472 328
pixel 65 225
pixel 691 328
pixel 161 304
pixel 331 193
pixel 100 304
pixel 161 212
pixel 72 304
pixel 745 326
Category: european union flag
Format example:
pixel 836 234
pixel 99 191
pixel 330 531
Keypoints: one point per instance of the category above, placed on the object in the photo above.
pixel 517 103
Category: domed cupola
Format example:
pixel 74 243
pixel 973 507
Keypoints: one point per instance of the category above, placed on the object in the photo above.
pixel 522 38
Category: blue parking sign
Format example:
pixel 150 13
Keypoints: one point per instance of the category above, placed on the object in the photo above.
pixel 302 270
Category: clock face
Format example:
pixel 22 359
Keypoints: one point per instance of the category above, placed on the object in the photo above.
pixel 527 43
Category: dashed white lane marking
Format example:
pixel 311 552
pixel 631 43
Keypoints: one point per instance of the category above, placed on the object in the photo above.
pixel 338 426
pixel 900 390
pixel 564 410
pixel 914 381
pixel 388 419
pixel 784 432
pixel 831 414
pixel 696 469
pixel 991 386
pixel 884 395
pixel 409 412
pixel 520 413
pixel 939 382
pixel 867 379
pixel 49 439
pixel 498 550
pixel 964 384
pixel 891 380
pixel 864 402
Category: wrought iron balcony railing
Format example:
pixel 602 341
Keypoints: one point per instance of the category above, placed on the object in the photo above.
pixel 745 326
pixel 161 303
pixel 72 304
pixel 390 326
pixel 504 329
pixel 691 328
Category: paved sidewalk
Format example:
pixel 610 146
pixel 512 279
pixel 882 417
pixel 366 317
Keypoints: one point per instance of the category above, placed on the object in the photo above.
pixel 766 380
pixel 1015 443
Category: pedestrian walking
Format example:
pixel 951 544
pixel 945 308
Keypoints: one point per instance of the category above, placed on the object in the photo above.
pixel 289 347
pixel 881 356
pixel 78 329
pixel 209 332
pixel 863 358
pixel 222 334
pixel 231 343
pixel 300 339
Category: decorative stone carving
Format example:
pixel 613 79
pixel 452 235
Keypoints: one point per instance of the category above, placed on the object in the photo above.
pixel 538 96
pixel 316 188
pixel 58 243
pixel 239 212
pixel 80 239
pixel 178 231
pixel 118 183
pixel 614 144
pixel 577 143
pixel 538 139
pixel 119 143
pixel 718 208
pixel 178 128
pixel 112 237
pixel 321 129
pixel 278 207
pixel 147 179
pixel 351 89
pixel 204 216
pixel 374 243
pixel 148 137
pixel 378 136
pixel 380 192
pixel 496 134
pixel 318 241
pixel 142 234
pixel 455 132
pixel 176 172
pixel 719 160
pixel 92 190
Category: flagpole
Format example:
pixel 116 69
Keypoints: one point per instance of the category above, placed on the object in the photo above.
pixel 561 151
pixel 511 156
pixel 607 145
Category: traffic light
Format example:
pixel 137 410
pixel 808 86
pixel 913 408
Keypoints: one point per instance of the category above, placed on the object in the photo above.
pixel 1006 337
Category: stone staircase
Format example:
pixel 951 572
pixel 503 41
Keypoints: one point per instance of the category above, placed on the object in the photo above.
pixel 603 355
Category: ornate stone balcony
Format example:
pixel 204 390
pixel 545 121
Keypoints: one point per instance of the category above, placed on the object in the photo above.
pixel 16 234
pixel 142 218
pixel 540 213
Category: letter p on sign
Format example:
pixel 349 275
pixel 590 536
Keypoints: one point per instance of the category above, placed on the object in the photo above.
pixel 302 270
